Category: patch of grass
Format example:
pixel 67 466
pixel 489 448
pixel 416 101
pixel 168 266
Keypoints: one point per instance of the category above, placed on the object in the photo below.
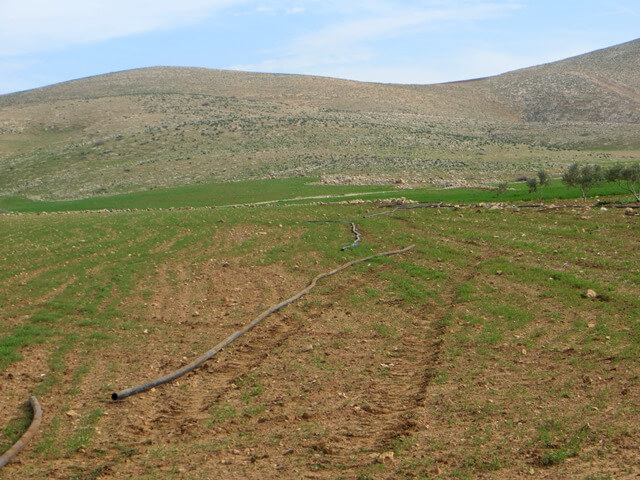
pixel 56 364
pixel 407 288
pixel 385 331
pixel 89 474
pixel 400 444
pixel 15 428
pixel 45 317
pixel 78 374
pixel 49 446
pixel 559 442
pixel 21 336
pixel 83 433
pixel 254 410
pixel 464 292
pixel 221 413
pixel 250 387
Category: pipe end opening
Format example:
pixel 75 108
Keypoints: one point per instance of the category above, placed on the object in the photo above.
pixel 114 396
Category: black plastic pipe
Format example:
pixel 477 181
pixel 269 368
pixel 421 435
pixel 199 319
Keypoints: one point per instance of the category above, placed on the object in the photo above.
pixel 208 355
pixel 354 229
pixel 26 436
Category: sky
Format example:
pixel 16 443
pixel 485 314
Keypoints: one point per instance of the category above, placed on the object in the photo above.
pixel 410 41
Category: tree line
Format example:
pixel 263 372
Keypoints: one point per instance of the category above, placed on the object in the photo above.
pixel 586 177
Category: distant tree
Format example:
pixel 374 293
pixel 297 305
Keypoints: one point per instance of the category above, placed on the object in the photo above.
pixel 544 178
pixel 628 177
pixel 583 177
pixel 501 188
pixel 532 183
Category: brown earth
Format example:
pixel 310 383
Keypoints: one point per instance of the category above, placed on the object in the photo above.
pixel 324 390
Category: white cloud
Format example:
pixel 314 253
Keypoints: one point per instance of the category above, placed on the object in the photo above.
pixel 28 26
pixel 294 10
pixel 345 43
pixel 398 22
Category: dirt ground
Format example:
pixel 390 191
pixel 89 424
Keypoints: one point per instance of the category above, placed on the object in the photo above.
pixel 356 380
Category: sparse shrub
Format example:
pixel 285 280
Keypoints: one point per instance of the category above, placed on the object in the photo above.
pixel 501 188
pixel 583 177
pixel 532 183
pixel 628 177
pixel 544 178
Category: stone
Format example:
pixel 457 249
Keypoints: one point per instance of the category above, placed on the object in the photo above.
pixel 385 457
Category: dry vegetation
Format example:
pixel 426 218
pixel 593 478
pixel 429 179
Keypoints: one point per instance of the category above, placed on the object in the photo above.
pixel 174 126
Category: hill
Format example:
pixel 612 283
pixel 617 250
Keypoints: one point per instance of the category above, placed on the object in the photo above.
pixel 146 128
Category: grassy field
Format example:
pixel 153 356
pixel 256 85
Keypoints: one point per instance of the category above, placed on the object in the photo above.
pixel 217 194
pixel 475 356
pixel 293 190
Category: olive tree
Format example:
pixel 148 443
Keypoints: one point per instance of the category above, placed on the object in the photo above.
pixel 544 178
pixel 501 188
pixel 628 177
pixel 584 177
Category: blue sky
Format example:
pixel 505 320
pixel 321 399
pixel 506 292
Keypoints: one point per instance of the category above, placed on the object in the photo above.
pixel 411 41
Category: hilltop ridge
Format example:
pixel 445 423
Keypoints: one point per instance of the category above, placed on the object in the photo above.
pixel 162 126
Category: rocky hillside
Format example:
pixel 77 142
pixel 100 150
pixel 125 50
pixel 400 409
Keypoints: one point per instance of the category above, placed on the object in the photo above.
pixel 162 126
pixel 602 86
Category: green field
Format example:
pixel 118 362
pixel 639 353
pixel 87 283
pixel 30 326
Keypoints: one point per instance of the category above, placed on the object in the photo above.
pixel 293 190
pixel 476 355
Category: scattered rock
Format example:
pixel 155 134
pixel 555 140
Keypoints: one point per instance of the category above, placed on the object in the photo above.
pixel 307 348
pixel 629 212
pixel 590 294
pixel 385 457
pixel 72 414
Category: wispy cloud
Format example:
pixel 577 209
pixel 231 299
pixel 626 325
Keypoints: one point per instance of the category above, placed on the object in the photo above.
pixel 29 26
pixel 349 40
